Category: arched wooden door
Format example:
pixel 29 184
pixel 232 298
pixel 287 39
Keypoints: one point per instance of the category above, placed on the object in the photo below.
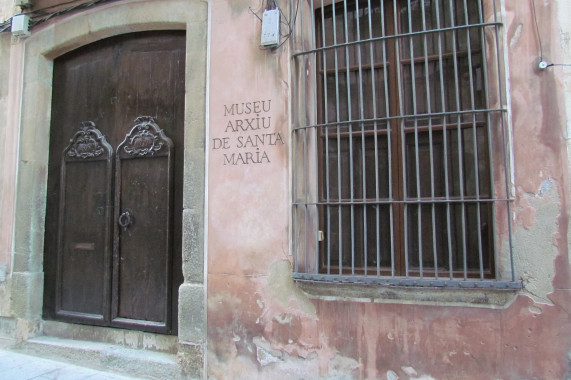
pixel 114 203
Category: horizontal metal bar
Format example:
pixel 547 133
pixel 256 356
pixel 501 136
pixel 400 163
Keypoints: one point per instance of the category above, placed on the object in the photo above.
pixel 409 201
pixel 417 60
pixel 420 128
pixel 401 35
pixel 415 282
pixel 409 116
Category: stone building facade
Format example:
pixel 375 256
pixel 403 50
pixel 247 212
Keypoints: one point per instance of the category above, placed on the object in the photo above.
pixel 244 305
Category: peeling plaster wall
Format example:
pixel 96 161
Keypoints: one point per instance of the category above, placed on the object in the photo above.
pixel 539 125
pixel 533 244
pixel 262 325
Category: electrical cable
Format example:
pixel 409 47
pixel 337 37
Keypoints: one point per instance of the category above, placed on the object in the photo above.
pixel 50 7
pixel 291 24
pixel 255 12
pixel 537 30
pixel 272 4
pixel 6 25
pixel 541 60
pixel 285 21
pixel 39 16
pixel 83 5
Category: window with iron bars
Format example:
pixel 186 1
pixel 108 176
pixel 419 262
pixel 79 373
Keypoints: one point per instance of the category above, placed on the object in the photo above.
pixel 400 144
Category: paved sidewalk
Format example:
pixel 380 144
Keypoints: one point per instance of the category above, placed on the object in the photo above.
pixel 16 366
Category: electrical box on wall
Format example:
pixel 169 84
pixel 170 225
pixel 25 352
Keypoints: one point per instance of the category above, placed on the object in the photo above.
pixel 270 27
pixel 20 26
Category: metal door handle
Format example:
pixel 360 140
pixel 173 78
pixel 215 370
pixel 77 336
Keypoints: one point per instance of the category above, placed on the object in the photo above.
pixel 125 219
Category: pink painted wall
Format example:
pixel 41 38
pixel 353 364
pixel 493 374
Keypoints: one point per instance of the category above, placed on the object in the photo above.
pixel 261 325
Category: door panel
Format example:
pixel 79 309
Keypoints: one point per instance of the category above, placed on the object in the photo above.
pixel 131 280
pixel 143 202
pixel 84 230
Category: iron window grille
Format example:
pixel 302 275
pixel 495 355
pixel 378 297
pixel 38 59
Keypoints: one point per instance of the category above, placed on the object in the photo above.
pixel 401 161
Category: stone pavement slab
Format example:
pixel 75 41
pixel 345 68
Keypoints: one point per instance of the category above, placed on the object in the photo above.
pixel 16 366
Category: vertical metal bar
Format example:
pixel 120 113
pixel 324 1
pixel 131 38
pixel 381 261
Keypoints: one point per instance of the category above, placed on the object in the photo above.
pixel 486 90
pixel 416 150
pixel 445 145
pixel 315 139
pixel 363 159
pixel 305 206
pixel 350 118
pixel 459 137
pixel 474 140
pixel 295 163
pixel 401 122
pixel 430 142
pixel 504 145
pixel 305 155
pixel 337 102
pixel 326 121
pixel 375 129
pixel 389 142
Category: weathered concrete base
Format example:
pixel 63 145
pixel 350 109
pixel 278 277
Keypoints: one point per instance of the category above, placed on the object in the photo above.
pixel 136 353
pixel 191 359
pixel 128 338
pixel 18 330
pixel 104 356
pixel 8 328
pixel 191 317
pixel 29 287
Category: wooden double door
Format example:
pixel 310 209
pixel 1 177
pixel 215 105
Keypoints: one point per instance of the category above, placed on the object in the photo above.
pixel 114 202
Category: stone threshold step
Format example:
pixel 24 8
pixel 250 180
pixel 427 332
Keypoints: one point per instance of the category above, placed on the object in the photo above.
pixel 104 356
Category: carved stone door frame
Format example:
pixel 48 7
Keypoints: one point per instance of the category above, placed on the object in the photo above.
pixel 33 126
